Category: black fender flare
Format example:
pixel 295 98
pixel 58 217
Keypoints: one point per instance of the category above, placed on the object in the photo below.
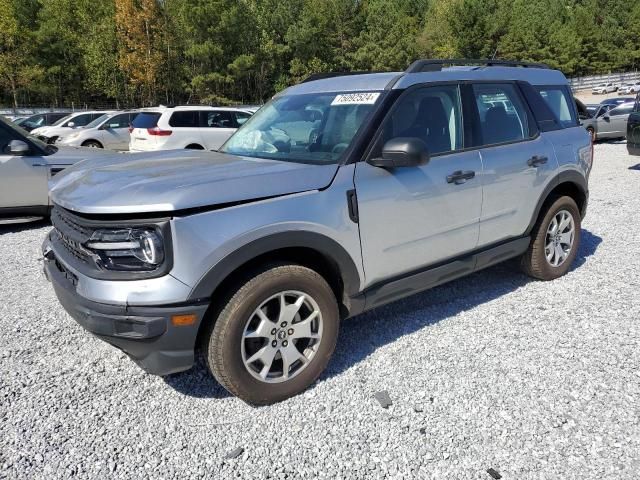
pixel 326 246
pixel 568 176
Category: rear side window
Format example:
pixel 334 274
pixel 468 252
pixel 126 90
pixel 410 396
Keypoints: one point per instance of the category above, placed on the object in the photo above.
pixel 188 118
pixel 503 115
pixel 146 120
pixel 558 98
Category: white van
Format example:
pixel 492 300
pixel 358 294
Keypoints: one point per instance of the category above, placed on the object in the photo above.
pixel 194 127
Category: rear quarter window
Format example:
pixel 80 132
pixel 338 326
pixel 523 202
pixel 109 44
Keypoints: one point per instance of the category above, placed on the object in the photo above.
pixel 146 120
pixel 183 119
pixel 560 101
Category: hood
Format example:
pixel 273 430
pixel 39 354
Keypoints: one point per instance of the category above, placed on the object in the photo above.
pixel 179 179
pixel 73 155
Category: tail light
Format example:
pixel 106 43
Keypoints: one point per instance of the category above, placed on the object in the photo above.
pixel 158 132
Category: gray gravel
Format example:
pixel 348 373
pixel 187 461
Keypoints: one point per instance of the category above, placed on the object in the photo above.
pixel 494 371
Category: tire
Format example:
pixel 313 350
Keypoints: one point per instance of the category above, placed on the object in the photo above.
pixel 194 146
pixel 92 144
pixel 535 262
pixel 592 133
pixel 227 347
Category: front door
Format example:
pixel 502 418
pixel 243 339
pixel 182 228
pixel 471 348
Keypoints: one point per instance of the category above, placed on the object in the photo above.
pixel 217 126
pixel 115 132
pixel 23 179
pixel 413 217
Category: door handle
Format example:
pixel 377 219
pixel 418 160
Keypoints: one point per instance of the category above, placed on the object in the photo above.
pixel 536 160
pixel 459 177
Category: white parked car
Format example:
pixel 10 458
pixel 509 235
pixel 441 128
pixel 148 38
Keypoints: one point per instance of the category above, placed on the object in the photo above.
pixel 200 128
pixel 110 130
pixel 631 88
pixel 604 88
pixel 66 125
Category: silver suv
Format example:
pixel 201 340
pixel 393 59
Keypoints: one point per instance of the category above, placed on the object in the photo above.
pixel 341 194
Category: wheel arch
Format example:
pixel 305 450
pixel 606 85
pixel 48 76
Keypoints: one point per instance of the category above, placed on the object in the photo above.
pixel 570 183
pixel 92 140
pixel 313 250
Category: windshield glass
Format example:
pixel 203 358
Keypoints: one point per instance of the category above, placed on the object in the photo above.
pixel 311 128
pixel 98 120
pixel 62 120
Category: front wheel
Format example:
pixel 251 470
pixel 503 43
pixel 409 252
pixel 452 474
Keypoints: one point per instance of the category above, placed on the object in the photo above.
pixel 92 144
pixel 555 240
pixel 275 336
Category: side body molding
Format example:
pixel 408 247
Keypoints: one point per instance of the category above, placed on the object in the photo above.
pixel 326 246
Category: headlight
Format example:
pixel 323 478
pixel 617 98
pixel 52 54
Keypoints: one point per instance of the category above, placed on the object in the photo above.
pixel 131 249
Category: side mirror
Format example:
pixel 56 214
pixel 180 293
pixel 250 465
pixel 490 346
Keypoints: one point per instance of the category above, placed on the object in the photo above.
pixel 71 124
pixel 402 152
pixel 18 148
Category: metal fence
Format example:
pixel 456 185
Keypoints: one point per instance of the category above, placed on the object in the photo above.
pixel 584 83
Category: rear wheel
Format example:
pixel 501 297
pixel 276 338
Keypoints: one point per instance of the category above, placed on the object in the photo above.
pixel 275 336
pixel 92 144
pixel 555 240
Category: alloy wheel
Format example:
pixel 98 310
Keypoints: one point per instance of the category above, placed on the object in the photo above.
pixel 559 239
pixel 282 336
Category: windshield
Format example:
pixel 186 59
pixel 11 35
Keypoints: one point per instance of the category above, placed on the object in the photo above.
pixel 49 149
pixel 62 120
pixel 311 128
pixel 98 120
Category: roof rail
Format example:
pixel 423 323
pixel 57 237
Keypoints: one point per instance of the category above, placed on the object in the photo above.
pixel 320 76
pixel 435 65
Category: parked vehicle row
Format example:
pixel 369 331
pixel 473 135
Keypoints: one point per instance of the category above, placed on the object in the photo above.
pixel 633 129
pixel 340 195
pixel 622 89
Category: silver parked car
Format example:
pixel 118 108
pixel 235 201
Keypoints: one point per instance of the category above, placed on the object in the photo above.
pixel 26 166
pixel 338 196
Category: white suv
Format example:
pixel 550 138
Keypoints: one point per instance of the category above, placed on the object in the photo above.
pixel 604 88
pixel 200 128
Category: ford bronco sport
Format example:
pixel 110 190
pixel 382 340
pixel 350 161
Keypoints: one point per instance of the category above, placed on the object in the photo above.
pixel 341 194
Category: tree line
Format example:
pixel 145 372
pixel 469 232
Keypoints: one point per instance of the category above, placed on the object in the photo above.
pixel 145 52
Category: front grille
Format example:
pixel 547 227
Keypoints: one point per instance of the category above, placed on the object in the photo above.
pixel 72 234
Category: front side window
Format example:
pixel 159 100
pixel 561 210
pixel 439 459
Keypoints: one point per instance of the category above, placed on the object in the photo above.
pixel 622 110
pixel 311 128
pixel 559 101
pixel 98 121
pixel 432 114
pixel 503 116
pixel 82 120
pixel 119 121
pixel 241 117
pixel 217 119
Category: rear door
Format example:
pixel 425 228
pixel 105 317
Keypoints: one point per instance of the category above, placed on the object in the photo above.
pixel 413 217
pixel 23 179
pixel 517 161
pixel 216 127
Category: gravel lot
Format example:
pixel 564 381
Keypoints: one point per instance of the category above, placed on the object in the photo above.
pixel 534 380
